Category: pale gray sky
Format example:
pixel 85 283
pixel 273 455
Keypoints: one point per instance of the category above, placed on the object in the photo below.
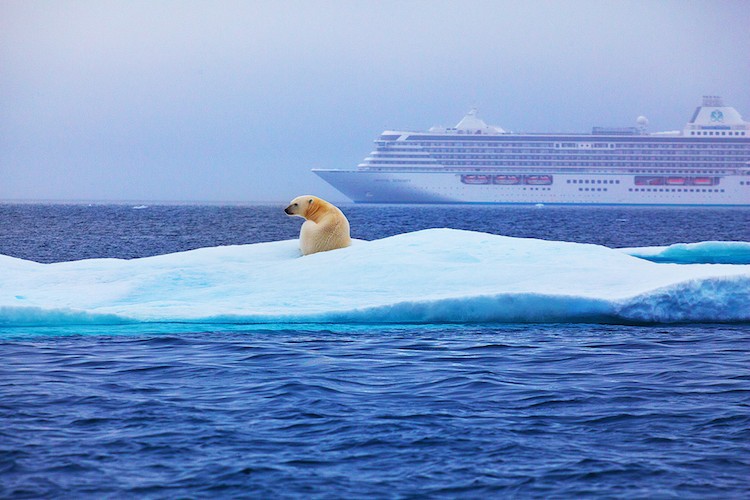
pixel 237 101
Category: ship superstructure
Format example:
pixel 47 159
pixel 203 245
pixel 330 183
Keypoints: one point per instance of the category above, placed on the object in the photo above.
pixel 706 163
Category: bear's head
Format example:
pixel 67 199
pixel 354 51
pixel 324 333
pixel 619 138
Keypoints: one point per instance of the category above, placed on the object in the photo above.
pixel 300 206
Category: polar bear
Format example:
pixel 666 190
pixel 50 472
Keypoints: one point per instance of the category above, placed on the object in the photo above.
pixel 325 227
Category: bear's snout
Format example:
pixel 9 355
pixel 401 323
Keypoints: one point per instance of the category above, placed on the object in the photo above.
pixel 288 210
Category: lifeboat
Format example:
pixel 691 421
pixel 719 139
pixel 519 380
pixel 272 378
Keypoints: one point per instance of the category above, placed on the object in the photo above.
pixel 507 179
pixel 676 181
pixel 539 180
pixel 649 181
pixel 476 179
pixel 703 181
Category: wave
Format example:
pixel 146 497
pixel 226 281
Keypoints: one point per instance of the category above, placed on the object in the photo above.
pixel 431 276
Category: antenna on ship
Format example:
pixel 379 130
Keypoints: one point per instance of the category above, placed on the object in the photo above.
pixel 713 101
pixel 642 122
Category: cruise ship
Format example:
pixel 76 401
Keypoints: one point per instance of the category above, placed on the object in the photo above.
pixel 706 163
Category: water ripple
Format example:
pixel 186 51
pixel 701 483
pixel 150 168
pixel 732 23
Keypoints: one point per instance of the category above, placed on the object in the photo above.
pixel 438 412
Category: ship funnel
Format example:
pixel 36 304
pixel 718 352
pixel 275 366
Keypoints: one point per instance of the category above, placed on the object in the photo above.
pixel 713 118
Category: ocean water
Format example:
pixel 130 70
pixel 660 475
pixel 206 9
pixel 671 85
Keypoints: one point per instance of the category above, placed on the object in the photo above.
pixel 353 411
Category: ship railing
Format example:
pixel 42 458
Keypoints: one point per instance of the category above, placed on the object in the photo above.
pixel 554 170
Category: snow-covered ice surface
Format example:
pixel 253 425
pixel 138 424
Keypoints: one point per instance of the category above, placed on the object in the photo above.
pixel 429 276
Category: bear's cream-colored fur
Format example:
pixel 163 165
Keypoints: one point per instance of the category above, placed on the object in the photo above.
pixel 325 227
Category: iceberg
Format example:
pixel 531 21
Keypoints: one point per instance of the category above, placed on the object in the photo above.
pixel 430 276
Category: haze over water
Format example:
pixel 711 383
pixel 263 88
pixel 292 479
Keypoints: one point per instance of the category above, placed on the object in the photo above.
pixel 237 101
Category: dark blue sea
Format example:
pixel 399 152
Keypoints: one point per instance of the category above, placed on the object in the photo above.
pixel 369 411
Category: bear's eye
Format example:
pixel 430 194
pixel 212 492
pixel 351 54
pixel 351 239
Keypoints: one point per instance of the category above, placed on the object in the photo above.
pixel 296 205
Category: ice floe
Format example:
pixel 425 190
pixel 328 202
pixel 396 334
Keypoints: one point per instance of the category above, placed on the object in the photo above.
pixel 435 275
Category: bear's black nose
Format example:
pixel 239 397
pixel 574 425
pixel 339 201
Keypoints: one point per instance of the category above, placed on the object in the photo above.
pixel 286 210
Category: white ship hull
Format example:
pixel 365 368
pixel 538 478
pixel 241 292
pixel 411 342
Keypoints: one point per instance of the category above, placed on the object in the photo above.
pixel 565 188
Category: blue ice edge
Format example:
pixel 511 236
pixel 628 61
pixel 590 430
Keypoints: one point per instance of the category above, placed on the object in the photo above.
pixel 722 300
pixel 706 252
pixel 434 276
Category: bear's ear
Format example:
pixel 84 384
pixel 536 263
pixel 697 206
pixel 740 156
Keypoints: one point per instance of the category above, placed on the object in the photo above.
pixel 310 201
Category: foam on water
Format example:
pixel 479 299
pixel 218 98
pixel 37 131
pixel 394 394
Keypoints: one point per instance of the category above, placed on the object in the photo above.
pixel 435 275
